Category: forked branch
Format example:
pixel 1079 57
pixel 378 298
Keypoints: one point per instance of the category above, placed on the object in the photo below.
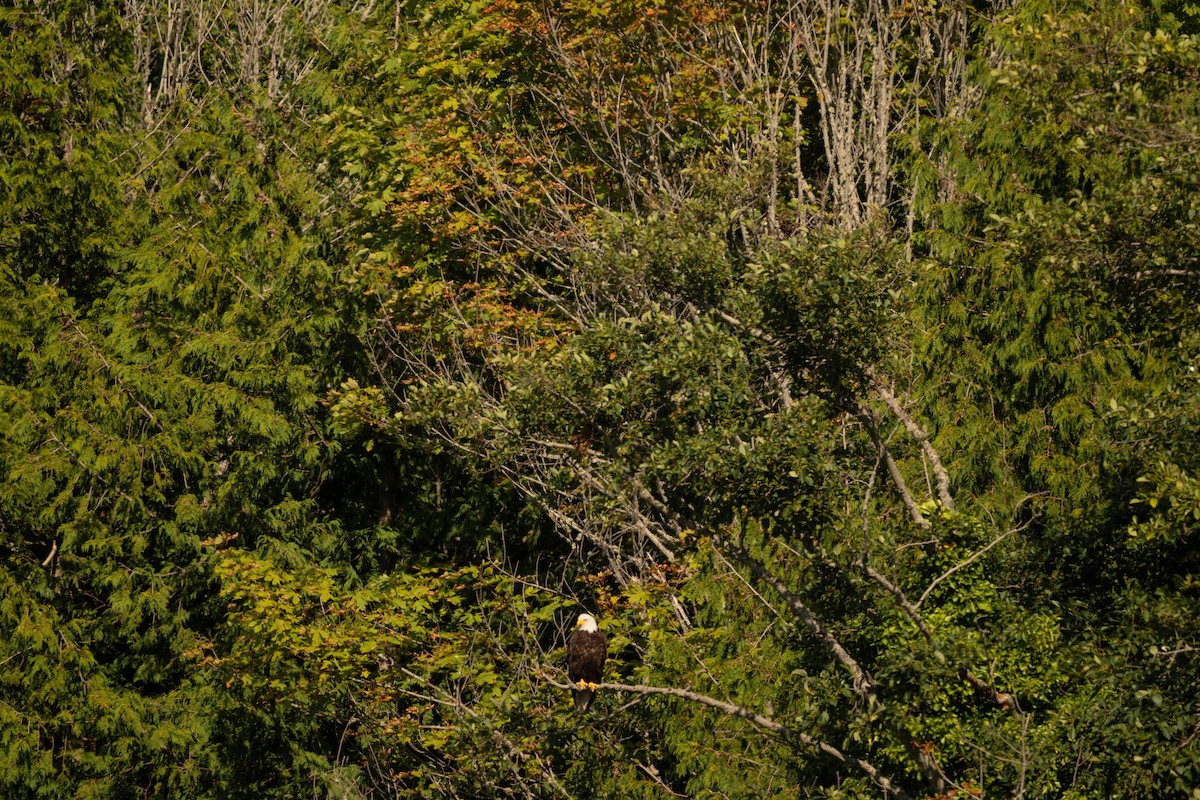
pixel 759 721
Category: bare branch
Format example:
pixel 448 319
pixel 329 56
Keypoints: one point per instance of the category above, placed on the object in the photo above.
pixel 868 420
pixel 653 773
pixel 915 430
pixel 964 563
pixel 53 552
pixel 1175 651
pixel 756 719
pixel 862 681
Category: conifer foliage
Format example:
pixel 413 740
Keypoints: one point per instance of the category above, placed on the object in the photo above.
pixel 839 356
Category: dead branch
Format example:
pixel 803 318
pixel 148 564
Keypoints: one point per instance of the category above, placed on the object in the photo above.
pixel 910 503
pixel 863 683
pixel 759 721
pixel 922 438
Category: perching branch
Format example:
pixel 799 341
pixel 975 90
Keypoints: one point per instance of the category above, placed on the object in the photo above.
pixel 759 721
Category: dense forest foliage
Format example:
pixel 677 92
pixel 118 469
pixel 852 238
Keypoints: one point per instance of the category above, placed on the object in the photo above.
pixel 839 355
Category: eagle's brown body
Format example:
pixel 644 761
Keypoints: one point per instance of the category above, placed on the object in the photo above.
pixel 586 651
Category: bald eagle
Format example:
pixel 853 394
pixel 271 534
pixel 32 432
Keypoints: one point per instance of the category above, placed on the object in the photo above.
pixel 586 651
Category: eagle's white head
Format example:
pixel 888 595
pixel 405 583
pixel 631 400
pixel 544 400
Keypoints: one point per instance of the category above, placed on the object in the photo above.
pixel 586 623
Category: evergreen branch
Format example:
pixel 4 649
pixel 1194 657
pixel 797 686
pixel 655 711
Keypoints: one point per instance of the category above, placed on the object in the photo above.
pixel 1002 699
pixel 111 370
pixel 515 753
pixel 756 719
